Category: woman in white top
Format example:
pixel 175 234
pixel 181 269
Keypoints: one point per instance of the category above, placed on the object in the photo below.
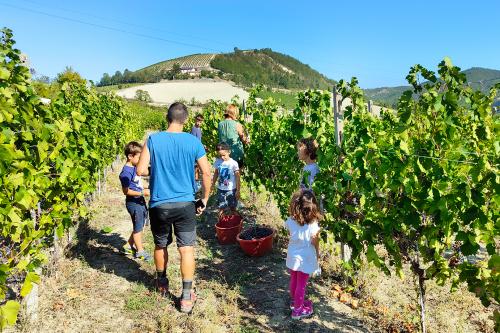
pixel 303 248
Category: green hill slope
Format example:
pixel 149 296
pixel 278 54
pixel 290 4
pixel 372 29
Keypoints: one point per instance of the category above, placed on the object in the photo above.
pixel 270 68
pixel 246 68
pixel 478 78
pixel 482 78
pixel 168 69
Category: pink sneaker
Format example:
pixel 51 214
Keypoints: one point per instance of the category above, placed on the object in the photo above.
pixel 307 303
pixel 302 312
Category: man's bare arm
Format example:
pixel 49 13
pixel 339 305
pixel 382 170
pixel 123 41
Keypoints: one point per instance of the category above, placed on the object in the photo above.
pixel 142 166
pixel 206 181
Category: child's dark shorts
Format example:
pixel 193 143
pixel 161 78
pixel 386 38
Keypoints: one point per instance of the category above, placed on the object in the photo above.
pixel 138 211
pixel 179 216
pixel 226 199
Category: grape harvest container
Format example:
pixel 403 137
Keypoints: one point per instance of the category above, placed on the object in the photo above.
pixel 256 240
pixel 228 227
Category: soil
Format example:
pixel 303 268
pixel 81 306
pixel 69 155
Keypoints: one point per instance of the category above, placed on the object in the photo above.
pixel 95 288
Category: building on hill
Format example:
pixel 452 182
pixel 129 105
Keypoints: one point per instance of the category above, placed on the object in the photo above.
pixel 192 71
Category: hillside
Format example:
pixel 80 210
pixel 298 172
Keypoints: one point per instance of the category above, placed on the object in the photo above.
pixel 482 78
pixel 197 61
pixel 387 96
pixel 270 68
pixel 246 68
pixel 478 78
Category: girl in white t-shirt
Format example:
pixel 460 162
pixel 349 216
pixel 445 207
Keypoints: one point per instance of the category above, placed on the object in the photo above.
pixel 307 152
pixel 303 248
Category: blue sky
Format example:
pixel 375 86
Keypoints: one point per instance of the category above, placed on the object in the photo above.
pixel 376 41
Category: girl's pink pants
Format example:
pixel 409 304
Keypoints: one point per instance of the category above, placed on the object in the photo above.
pixel 298 283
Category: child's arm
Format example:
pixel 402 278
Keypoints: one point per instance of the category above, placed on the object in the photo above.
pixel 315 242
pixel 127 191
pixel 237 178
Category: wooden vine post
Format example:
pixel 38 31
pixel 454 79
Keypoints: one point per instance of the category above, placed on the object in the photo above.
pixel 345 251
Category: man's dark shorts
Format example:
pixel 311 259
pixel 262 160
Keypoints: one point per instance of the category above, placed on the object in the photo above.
pixel 179 216
pixel 138 211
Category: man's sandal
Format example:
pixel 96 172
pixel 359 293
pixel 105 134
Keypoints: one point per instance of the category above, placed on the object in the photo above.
pixel 161 285
pixel 188 304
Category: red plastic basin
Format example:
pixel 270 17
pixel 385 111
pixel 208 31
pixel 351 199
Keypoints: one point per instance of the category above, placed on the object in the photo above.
pixel 258 246
pixel 228 227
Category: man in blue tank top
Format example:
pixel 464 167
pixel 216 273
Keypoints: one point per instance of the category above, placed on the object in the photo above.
pixel 172 155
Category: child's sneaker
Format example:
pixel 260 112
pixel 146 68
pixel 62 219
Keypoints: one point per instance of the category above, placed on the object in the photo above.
pixel 127 249
pixel 143 255
pixel 302 312
pixel 161 285
pixel 307 303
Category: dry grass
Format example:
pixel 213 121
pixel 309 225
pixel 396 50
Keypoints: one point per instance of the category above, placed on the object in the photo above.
pixel 389 303
pixel 97 289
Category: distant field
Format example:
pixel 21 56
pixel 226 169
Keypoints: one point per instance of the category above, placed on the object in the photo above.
pixel 194 61
pixel 201 90
pixel 289 100
pixel 117 87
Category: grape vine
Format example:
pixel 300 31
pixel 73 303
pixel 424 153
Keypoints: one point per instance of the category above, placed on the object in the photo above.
pixel 421 181
pixel 50 154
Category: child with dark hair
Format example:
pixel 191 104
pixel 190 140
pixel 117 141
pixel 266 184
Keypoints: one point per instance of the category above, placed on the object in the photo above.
pixel 136 204
pixel 196 130
pixel 307 151
pixel 227 172
pixel 303 249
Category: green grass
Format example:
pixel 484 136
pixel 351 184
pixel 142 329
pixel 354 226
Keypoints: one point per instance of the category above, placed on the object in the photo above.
pixel 249 329
pixel 117 87
pixel 288 100
pixel 141 300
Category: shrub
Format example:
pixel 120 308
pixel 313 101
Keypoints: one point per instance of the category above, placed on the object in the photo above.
pixel 143 96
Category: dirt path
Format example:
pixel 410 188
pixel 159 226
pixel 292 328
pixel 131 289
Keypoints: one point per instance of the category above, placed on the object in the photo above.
pixel 97 289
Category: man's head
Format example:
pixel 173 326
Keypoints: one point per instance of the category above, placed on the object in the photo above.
pixel 223 150
pixel 133 151
pixel 198 120
pixel 177 113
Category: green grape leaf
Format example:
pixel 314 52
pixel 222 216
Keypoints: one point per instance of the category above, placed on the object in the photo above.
pixel 8 313
pixel 31 278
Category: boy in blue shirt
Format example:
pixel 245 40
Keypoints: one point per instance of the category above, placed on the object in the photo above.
pixel 136 204
pixel 196 130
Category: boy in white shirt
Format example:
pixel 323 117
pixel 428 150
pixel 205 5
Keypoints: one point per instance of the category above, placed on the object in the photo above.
pixel 227 172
